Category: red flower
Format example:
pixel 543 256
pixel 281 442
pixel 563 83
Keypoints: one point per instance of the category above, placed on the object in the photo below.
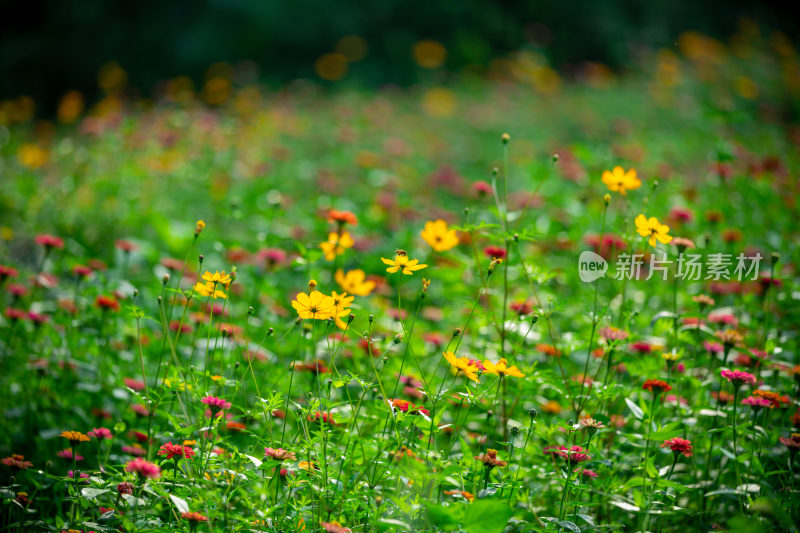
pixel 326 418
pixel 342 217
pixel 482 188
pixel 82 270
pixel 175 450
pixel 107 303
pixel 194 517
pixel 679 445
pixel 125 246
pixel 495 252
pixel 656 385
pixel 16 462
pixel 7 272
pixel 49 241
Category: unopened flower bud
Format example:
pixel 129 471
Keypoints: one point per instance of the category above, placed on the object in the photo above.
pixel 505 138
pixel 607 199
pixel 456 332
pixel 200 258
pixel 312 284
pixel 350 318
pixel 250 310
pixel 398 338
pixel 165 279
pixel 775 257
pixel 555 158
pixel 532 413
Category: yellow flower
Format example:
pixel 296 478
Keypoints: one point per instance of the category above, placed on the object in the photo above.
pixel 209 288
pixel 652 229
pixel 32 155
pixel 619 180
pixel 671 356
pixel 402 262
pixel 217 277
pixel 199 226
pixel 74 437
pixel 342 302
pixel 308 466
pixel 501 369
pixel 354 282
pixel 438 236
pixel 316 306
pixel 463 365
pixel 336 245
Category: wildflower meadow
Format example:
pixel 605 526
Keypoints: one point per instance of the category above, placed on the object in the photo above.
pixel 513 302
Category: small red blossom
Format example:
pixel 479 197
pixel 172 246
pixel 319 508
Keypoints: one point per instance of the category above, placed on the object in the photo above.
pixel 49 241
pixel 656 386
pixel 679 445
pixel 175 450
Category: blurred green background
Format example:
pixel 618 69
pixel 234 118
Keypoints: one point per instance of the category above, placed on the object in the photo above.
pixel 50 46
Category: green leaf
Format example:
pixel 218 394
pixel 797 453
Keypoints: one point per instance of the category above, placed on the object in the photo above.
pixel 486 516
pixel 636 411
pixel 180 503
pixel 91 493
pixel 441 516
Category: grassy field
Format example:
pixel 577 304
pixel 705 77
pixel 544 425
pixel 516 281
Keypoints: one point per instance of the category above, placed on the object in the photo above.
pixel 514 302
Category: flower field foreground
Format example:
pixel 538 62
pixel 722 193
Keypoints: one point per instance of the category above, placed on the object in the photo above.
pixel 379 312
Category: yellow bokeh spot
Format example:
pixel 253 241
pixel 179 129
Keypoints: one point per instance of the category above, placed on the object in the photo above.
pixel 6 233
pixel 746 88
pixel 70 107
pixel 352 47
pixel 331 67
pixel 429 54
pixel 32 155
pixel 216 90
pixel 111 77
pixel 439 102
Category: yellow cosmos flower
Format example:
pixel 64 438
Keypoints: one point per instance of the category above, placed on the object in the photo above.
pixel 439 236
pixel 354 282
pixel 619 180
pixel 653 230
pixel 463 365
pixel 217 277
pixel 401 262
pixel 670 356
pixel 501 369
pixel 316 306
pixel 336 245
pixel 342 302
pixel 209 288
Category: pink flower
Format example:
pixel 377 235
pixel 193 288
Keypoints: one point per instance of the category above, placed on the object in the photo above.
pixel 100 433
pixel 712 347
pixel 279 454
pixel 738 377
pixel 71 474
pixel 585 472
pixel 66 453
pixel 217 404
pixel 134 384
pixel 756 403
pixel 573 455
pixel 143 468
